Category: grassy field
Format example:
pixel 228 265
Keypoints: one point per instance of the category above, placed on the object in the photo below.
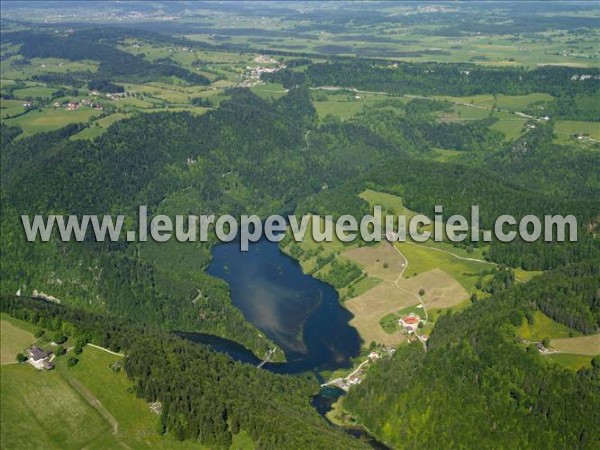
pixel 390 204
pixel 34 91
pixel 520 102
pixel 393 204
pixel 41 410
pixel 581 345
pixel 389 323
pixel 445 155
pixel 49 119
pixel 271 91
pixel 501 101
pixel 365 284
pixel 161 94
pixel 509 125
pixel 10 108
pixel 544 327
pixel 526 275
pixel 379 261
pixel 39 66
pixel 422 259
pixel 459 113
pixel 346 104
pixel 565 129
pixel 13 340
pixel 99 127
pixel 501 107
pixel 493 50
pixel 571 362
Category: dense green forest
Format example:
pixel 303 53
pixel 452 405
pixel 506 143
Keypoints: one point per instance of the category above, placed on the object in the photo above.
pixel 205 396
pixel 477 386
pixel 452 79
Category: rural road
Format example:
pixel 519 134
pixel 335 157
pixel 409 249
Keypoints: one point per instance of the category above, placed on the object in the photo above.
pixel 106 350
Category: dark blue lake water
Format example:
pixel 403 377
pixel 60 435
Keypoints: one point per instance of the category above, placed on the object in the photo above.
pixel 298 312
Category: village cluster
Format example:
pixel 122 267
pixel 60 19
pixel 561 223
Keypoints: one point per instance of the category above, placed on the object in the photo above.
pixel 252 74
pixel 76 104
pixel 357 376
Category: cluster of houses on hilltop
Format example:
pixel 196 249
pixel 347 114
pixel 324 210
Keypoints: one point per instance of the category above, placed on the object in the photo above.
pixel 252 74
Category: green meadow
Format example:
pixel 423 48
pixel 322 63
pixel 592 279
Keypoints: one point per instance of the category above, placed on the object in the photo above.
pixel 48 119
pixel 98 127
pixel 544 327
pixel 422 259
pixel 46 412
pixel 565 129
pixel 571 362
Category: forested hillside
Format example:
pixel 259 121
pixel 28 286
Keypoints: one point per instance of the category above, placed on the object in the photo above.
pixel 424 184
pixel 478 386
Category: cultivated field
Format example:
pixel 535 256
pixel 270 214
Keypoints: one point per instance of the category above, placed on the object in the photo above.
pixel 375 311
pixel 581 345
pixel 422 258
pixel 380 261
pixel 441 289
pixel 370 307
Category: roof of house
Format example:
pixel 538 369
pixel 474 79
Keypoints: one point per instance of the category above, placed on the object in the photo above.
pixel 411 320
pixel 37 353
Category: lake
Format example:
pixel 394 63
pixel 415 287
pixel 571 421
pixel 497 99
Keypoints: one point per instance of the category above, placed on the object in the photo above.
pixel 301 314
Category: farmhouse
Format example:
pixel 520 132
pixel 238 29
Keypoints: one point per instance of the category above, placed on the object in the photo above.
pixel 373 356
pixel 410 322
pixel 39 358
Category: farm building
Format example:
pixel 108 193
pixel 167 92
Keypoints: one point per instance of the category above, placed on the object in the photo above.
pixel 39 358
pixel 410 322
